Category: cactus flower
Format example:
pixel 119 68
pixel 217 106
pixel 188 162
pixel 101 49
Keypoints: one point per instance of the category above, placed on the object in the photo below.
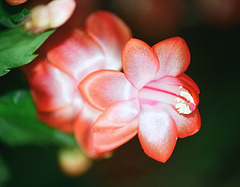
pixel 152 98
pixel 64 60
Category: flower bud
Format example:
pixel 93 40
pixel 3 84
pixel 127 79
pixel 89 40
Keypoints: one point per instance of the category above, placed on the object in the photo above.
pixel 15 2
pixel 73 162
pixel 44 17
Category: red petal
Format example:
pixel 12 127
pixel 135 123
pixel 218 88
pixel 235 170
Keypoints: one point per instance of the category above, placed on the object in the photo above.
pixel 116 125
pixel 105 141
pixel 157 133
pixel 74 52
pixel 188 80
pixel 140 63
pixel 111 33
pixel 173 55
pixel 83 132
pixel 187 125
pixel 106 87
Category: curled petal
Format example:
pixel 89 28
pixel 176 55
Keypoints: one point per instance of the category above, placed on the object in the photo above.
pixel 74 52
pixel 116 34
pixel 106 87
pixel 186 85
pixel 173 55
pixel 140 63
pixel 157 133
pixel 116 125
pixel 189 81
pixel 187 125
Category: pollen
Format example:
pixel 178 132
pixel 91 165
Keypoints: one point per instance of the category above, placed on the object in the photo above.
pixel 185 103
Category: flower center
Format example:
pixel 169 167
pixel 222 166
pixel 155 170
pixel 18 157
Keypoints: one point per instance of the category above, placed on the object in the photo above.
pixel 178 96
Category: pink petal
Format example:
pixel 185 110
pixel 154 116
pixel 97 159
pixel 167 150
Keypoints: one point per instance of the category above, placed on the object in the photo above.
pixel 106 87
pixel 140 63
pixel 157 133
pixel 74 52
pixel 111 33
pixel 51 89
pixel 187 125
pixel 173 55
pixel 116 125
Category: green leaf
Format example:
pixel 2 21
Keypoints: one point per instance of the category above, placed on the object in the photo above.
pixel 19 125
pixel 17 47
pixel 11 16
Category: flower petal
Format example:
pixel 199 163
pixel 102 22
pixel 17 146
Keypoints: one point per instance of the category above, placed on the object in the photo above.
pixel 105 141
pixel 62 118
pixel 106 87
pixel 187 125
pixel 188 80
pixel 83 131
pixel 111 33
pixel 116 125
pixel 51 88
pixel 157 133
pixel 74 52
pixel 173 55
pixel 117 115
pixel 140 63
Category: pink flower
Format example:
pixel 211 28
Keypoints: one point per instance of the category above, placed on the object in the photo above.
pixel 152 98
pixel 64 60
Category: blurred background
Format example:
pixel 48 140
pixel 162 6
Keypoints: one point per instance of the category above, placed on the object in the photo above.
pixel 211 29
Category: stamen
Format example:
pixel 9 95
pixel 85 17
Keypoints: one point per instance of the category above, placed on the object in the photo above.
pixel 185 103
pixel 179 97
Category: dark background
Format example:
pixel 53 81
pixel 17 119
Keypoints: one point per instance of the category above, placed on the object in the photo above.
pixel 209 158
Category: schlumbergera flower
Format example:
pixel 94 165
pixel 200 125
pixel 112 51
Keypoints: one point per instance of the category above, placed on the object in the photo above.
pixel 153 97
pixel 64 60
